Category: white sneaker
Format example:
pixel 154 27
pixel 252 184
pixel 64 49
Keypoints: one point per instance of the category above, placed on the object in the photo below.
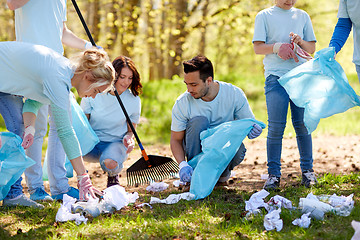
pixel 22 200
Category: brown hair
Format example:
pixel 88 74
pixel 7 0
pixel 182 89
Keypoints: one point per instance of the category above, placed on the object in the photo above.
pixel 119 63
pixel 201 64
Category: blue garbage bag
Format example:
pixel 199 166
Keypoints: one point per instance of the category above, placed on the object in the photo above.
pixel 219 146
pixel 321 87
pixel 85 134
pixel 13 161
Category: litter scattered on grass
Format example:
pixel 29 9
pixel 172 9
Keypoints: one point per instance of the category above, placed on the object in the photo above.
pixel 157 187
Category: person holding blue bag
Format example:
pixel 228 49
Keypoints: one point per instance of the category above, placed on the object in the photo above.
pixel 284 34
pixel 44 76
pixel 206 104
pixel 44 23
pixel 109 123
pixel 348 18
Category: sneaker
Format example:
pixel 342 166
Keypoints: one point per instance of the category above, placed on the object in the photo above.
pixel 72 192
pixel 272 183
pixel 40 195
pixel 112 180
pixel 21 201
pixel 308 178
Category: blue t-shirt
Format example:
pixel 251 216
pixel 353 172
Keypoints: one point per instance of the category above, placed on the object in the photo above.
pixel 41 22
pixel 35 72
pixel 106 116
pixel 274 25
pixel 229 104
pixel 351 9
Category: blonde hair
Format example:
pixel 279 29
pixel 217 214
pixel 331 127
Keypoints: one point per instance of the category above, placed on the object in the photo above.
pixel 97 61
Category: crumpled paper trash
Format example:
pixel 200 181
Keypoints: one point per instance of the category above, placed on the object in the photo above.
pixel 304 221
pixel 157 187
pixel 272 220
pixel 278 202
pixel 173 198
pixel 356 226
pixel 256 201
pixel 64 213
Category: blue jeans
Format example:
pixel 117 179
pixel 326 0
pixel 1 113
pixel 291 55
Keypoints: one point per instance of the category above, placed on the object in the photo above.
pixel 192 144
pixel 11 110
pixel 108 150
pixel 277 102
pixel 358 71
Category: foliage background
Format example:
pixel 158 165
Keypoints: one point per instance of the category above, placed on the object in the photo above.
pixel 159 34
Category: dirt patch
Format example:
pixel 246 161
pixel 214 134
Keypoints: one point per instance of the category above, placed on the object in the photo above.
pixel 338 155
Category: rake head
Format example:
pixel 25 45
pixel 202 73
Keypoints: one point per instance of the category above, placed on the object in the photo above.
pixel 156 168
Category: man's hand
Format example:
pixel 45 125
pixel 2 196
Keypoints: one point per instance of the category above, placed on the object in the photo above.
pixel 28 137
pixel 285 51
pixel 255 131
pixel 85 187
pixel 129 143
pixel 185 171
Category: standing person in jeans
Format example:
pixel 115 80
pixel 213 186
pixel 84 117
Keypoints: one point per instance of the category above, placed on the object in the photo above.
pixel 279 30
pixel 206 104
pixel 43 22
pixel 348 17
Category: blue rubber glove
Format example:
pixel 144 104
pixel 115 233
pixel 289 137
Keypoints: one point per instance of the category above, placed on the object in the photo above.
pixel 255 131
pixel 185 171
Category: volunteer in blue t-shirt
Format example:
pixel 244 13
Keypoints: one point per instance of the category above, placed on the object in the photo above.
pixel 348 17
pixel 43 76
pixel 108 120
pixel 206 104
pixel 282 33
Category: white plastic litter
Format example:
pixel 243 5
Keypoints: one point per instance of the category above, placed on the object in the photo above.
pixel 256 201
pixel 178 183
pixel 64 213
pixel 342 205
pixel 356 226
pixel 304 221
pixel 278 202
pixel 264 176
pixel 306 202
pixel 173 198
pixel 272 220
pixel 117 196
pixel 157 187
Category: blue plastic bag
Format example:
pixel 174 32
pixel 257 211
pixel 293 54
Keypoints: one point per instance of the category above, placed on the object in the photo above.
pixel 321 87
pixel 219 146
pixel 13 161
pixel 85 134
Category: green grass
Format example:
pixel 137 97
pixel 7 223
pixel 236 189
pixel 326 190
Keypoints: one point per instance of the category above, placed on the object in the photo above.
pixel 219 216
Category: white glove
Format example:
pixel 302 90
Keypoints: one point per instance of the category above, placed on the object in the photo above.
pixel 129 143
pixel 28 137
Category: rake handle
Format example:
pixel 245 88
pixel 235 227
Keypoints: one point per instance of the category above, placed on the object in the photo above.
pixel 131 126
pixel 146 157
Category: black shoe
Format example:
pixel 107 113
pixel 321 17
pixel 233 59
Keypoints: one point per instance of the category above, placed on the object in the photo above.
pixel 112 180
pixel 272 183
pixel 308 178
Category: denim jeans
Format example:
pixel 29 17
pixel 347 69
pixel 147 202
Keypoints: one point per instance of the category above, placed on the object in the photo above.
pixel 192 144
pixel 11 110
pixel 108 150
pixel 277 102
pixel 56 158
pixel 358 71
pixel 33 174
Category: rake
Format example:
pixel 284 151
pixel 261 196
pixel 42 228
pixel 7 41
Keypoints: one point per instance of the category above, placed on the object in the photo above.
pixel 149 167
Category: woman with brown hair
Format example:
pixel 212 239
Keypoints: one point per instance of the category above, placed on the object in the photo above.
pixel 109 122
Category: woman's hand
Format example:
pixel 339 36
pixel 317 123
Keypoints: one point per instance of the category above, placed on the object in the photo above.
pixel 28 137
pixel 85 188
pixel 129 143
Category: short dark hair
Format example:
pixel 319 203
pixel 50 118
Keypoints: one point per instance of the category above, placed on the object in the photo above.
pixel 201 64
pixel 119 63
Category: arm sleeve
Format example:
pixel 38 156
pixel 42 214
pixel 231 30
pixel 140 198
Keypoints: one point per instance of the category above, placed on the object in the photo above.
pixel 85 105
pixel 66 132
pixel 259 29
pixel 31 106
pixel 243 109
pixel 341 33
